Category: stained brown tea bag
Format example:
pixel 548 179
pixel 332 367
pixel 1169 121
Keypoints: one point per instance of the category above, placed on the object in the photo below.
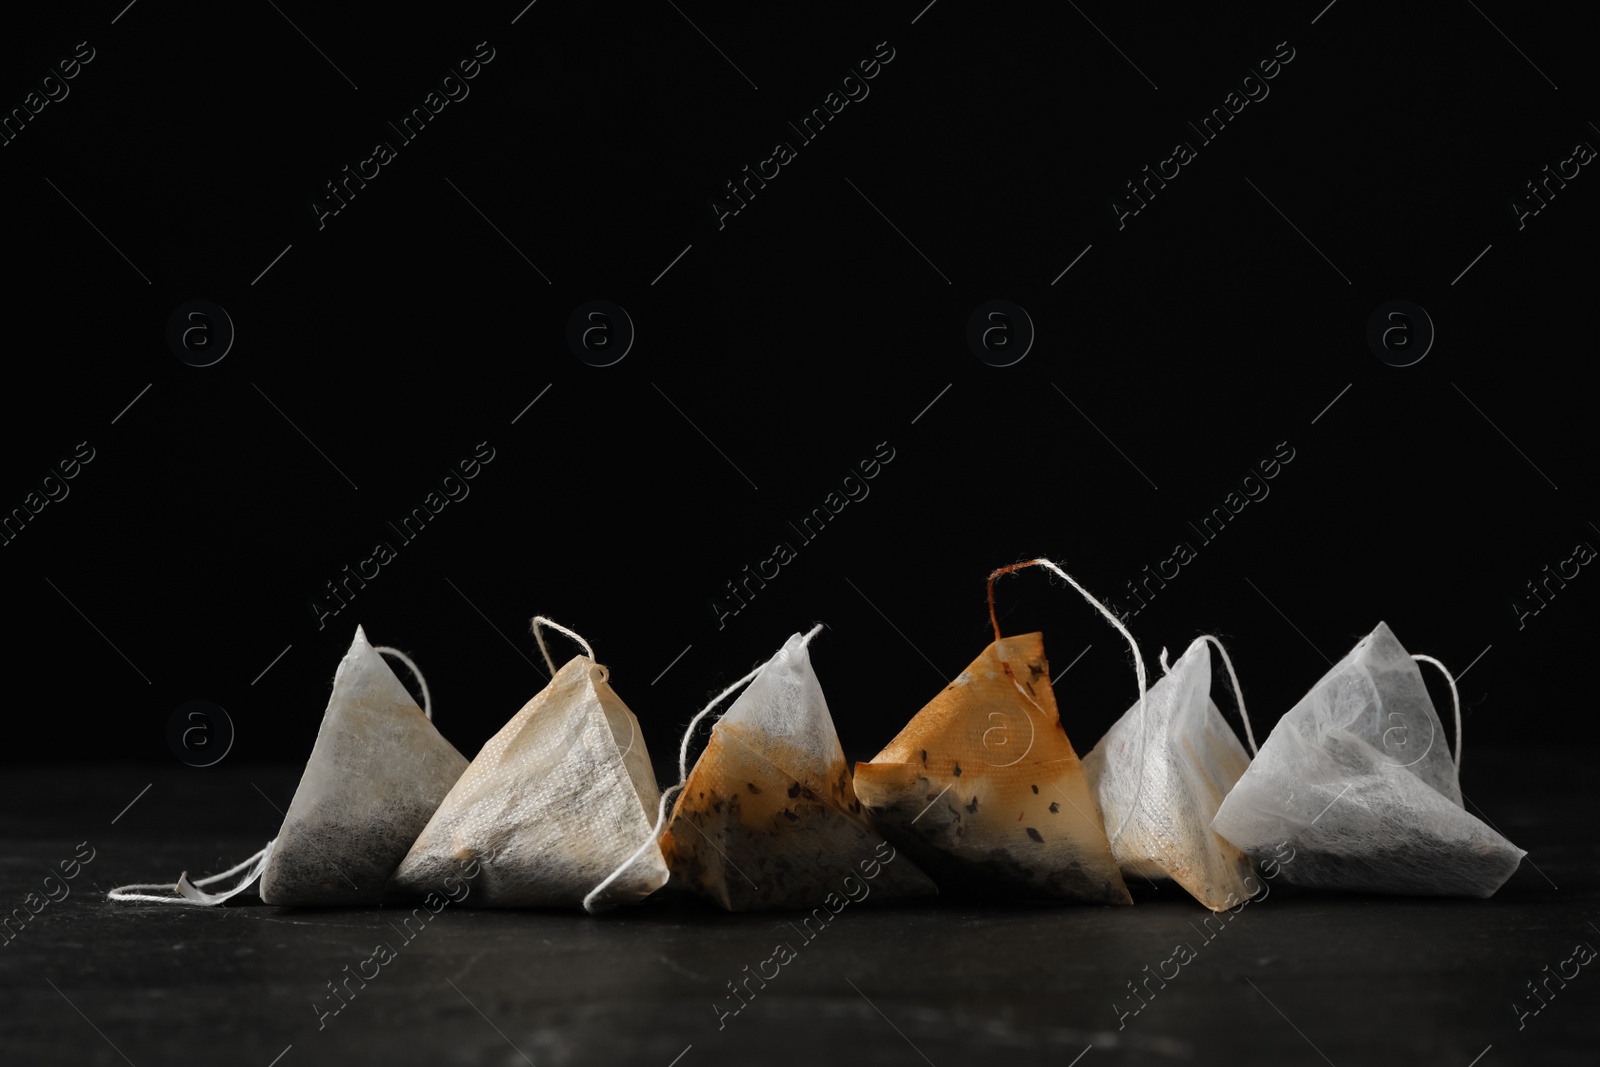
pixel 768 817
pixel 983 788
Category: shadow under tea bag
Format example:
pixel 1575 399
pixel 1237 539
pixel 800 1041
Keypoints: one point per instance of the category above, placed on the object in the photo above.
pixel 1191 759
pixel 768 817
pixel 1357 780
pixel 990 744
pixel 378 770
pixel 552 804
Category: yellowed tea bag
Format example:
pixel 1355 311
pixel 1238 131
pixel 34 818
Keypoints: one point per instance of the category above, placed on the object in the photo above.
pixel 983 788
pixel 768 817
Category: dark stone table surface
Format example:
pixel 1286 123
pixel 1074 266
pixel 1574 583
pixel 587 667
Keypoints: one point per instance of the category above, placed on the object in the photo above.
pixel 1297 978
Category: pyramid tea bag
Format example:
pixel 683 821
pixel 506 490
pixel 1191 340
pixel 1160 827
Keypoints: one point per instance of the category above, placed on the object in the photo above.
pixel 1190 761
pixel 1357 780
pixel 768 817
pixel 983 789
pixel 555 801
pixel 992 743
pixel 378 770
pixel 375 776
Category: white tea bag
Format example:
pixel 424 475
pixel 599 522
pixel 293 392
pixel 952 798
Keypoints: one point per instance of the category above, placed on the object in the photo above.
pixel 768 817
pixel 553 803
pixel 1191 759
pixel 1358 781
pixel 378 770
pixel 376 774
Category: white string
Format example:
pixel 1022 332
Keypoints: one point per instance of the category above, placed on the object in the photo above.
pixel 1138 663
pixel 188 891
pixel 427 698
pixel 1238 694
pixel 683 779
pixel 540 620
pixel 1166 668
pixel 1455 698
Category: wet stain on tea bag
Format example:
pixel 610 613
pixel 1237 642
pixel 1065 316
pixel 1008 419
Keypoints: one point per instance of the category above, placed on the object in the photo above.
pixel 768 817
pixel 989 744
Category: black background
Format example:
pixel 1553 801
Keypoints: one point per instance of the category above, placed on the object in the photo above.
pixel 797 338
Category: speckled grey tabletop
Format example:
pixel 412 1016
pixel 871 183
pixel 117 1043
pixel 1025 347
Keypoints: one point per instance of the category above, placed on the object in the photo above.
pixel 1297 977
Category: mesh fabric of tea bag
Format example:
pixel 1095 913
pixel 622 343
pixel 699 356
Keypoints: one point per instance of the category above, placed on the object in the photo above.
pixel 378 770
pixel 768 817
pixel 1357 779
pixel 1190 760
pixel 553 803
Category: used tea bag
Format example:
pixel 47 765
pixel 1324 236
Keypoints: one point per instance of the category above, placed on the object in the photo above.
pixel 1190 761
pixel 1357 780
pixel 992 743
pixel 378 770
pixel 553 803
pixel 768 817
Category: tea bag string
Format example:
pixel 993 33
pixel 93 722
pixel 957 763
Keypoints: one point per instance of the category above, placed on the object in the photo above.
pixel 1138 663
pixel 1233 679
pixel 683 778
pixel 190 893
pixel 540 620
pixel 1455 698
pixel 427 698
